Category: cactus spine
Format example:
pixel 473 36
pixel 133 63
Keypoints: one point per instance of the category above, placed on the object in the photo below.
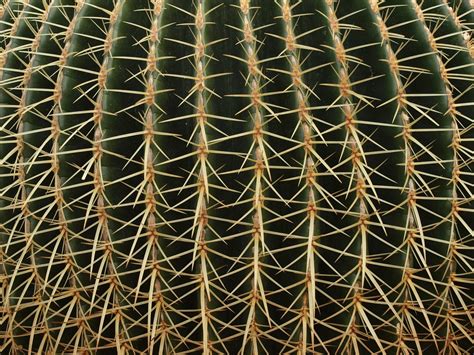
pixel 239 176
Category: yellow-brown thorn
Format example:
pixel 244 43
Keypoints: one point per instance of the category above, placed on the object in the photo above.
pixel 199 18
pixel 102 76
pixel 157 7
pixel 149 100
pixel 332 19
pixel 245 7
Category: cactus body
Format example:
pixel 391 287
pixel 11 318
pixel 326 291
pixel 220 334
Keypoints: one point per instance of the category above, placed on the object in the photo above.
pixel 238 176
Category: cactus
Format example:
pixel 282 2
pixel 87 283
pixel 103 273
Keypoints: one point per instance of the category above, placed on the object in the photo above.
pixel 238 176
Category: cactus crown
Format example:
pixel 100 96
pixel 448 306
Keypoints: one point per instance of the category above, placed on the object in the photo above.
pixel 248 176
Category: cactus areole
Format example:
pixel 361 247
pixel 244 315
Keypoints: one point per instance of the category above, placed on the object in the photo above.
pixel 236 177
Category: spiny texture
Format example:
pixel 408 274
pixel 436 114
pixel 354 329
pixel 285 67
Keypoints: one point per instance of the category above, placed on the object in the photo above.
pixel 238 176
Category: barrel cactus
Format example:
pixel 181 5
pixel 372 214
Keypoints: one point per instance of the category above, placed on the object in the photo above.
pixel 237 176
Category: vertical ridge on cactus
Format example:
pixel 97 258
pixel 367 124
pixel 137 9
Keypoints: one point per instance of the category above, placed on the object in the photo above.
pixel 237 177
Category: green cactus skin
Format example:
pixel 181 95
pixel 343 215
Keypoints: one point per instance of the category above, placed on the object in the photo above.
pixel 239 176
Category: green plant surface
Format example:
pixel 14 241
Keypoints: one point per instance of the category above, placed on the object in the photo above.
pixel 237 176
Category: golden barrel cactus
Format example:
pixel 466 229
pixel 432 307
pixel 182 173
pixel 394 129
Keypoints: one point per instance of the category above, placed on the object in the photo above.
pixel 236 176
